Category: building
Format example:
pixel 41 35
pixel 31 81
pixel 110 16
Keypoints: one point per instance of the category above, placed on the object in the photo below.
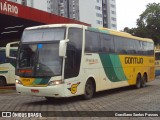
pixel 91 12
pixel 38 4
pixel 14 21
pixel 65 8
pixel 109 14
pixel 23 2
pixel 98 13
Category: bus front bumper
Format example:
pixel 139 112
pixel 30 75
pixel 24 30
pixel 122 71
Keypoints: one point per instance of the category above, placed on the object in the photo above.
pixel 49 91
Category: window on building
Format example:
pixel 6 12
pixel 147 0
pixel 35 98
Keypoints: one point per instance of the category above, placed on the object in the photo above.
pixel 114 25
pixel 113 12
pixel 113 6
pixel 99 1
pixel 99 15
pixel 98 8
pixel 99 22
pixel 114 19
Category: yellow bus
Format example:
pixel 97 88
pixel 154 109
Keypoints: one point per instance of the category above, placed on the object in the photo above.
pixel 64 60
pixel 157 62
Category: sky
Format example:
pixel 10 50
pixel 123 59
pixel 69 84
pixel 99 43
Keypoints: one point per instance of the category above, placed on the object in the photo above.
pixel 128 12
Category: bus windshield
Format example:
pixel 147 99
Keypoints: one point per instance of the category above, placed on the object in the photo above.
pixel 39 53
pixel 39 60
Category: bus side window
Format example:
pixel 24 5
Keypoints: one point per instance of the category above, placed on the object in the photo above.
pixel 71 62
pixel 73 53
pixel 107 43
pixel 93 42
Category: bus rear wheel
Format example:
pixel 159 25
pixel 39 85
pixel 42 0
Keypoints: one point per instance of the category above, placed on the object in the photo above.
pixel 144 80
pixel 2 81
pixel 89 89
pixel 138 81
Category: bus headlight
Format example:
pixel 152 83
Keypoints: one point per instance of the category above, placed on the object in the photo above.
pixel 56 82
pixel 18 82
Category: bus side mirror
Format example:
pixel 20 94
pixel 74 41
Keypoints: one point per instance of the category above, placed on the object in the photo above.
pixel 8 49
pixel 63 47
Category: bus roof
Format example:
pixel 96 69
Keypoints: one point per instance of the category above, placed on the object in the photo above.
pixel 123 34
pixel 54 25
pixel 103 30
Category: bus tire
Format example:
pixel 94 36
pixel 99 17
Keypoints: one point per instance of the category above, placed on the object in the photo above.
pixel 89 89
pixel 2 81
pixel 144 80
pixel 138 81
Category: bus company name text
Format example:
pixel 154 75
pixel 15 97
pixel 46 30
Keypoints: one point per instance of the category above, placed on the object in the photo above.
pixel 8 8
pixel 133 60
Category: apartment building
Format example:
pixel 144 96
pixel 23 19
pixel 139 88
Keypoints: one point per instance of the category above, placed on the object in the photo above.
pixel 65 8
pixel 98 13
pixel 38 4
pixel 109 14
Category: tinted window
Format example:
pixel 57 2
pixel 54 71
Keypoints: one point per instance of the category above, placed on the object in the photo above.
pixel 121 45
pixel 131 46
pixel 150 48
pixel 74 50
pixel 92 42
pixel 107 43
pixel 100 42
pixel 75 37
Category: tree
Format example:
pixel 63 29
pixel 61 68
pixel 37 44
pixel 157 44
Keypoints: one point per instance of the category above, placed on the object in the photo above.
pixel 148 25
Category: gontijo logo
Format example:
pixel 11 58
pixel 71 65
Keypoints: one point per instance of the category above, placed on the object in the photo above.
pixel 133 60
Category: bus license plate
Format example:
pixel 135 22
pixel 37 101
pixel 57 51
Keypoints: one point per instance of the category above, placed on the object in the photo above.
pixel 34 91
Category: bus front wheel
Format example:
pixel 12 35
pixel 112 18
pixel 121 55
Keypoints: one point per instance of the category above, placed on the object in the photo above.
pixel 89 89
pixel 2 81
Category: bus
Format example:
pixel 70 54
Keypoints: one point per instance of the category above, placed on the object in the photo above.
pixel 64 60
pixel 157 62
pixel 7 66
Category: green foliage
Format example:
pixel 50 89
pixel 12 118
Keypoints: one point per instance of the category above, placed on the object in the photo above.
pixel 148 25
